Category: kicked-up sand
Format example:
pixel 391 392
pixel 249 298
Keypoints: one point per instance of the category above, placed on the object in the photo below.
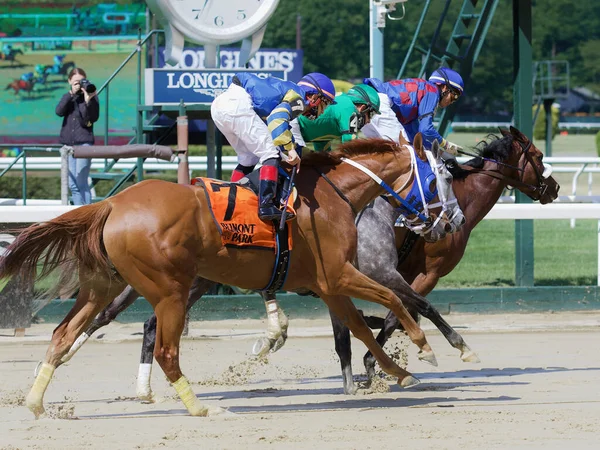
pixel 536 387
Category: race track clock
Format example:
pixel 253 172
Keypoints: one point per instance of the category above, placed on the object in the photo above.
pixel 212 23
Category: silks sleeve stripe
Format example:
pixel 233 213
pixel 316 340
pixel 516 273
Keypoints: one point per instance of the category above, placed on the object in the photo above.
pixel 268 173
pixel 279 128
pixel 444 143
pixel 286 140
pixel 278 115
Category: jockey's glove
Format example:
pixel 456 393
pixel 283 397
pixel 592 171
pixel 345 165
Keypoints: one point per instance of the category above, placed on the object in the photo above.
pixel 451 148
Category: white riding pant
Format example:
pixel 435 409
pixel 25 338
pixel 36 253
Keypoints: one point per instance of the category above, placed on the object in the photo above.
pixel 385 125
pixel 249 136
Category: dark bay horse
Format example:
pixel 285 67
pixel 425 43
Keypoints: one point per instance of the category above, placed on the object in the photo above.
pixel 11 55
pixel 158 237
pixel 477 186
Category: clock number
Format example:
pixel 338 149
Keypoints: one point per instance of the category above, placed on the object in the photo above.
pixel 241 15
pixel 219 21
pixel 199 11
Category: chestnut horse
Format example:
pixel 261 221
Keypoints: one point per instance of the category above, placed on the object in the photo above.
pixel 512 160
pixel 21 85
pixel 158 236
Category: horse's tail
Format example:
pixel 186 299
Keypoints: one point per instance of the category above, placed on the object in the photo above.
pixel 75 236
pixel 9 86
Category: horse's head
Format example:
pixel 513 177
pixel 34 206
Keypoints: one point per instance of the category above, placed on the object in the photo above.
pixel 534 178
pixel 443 215
pixel 452 216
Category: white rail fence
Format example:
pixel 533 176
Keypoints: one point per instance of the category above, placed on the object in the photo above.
pixel 501 211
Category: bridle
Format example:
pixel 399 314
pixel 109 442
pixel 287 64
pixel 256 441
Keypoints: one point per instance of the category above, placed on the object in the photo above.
pixel 541 177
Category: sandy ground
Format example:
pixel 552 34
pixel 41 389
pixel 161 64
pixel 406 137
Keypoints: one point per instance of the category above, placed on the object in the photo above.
pixel 537 387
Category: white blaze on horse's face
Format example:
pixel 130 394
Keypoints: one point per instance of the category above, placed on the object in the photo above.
pixel 547 173
pixel 452 216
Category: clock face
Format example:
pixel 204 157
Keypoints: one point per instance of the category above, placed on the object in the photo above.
pixel 220 21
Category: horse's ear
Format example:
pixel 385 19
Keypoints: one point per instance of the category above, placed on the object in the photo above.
pixel 518 135
pixel 418 146
pixel 435 149
pixel 504 132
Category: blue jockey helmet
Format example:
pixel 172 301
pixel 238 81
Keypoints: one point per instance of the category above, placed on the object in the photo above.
pixel 449 77
pixel 317 83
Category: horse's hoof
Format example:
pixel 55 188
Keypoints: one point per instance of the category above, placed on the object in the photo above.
pixel 428 357
pixel 216 411
pixel 37 368
pixel 350 389
pixel 470 356
pixel 36 408
pixel 144 396
pixel 409 381
pixel 261 347
pixel 278 344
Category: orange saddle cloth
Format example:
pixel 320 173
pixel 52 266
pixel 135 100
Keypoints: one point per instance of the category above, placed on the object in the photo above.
pixel 235 210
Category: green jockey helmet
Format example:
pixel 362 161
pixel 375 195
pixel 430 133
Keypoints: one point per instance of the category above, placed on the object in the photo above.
pixel 362 94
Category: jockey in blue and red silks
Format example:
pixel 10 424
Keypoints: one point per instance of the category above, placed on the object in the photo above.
pixel 257 115
pixel 408 106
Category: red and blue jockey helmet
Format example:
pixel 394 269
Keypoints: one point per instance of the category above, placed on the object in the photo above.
pixel 449 77
pixel 317 83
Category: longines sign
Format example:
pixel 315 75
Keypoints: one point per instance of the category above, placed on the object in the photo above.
pixel 286 59
pixel 170 86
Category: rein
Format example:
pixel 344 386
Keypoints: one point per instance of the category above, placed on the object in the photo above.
pixel 338 191
pixel 511 181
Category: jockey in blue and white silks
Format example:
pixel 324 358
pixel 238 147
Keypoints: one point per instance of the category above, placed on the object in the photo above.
pixel 408 106
pixel 255 116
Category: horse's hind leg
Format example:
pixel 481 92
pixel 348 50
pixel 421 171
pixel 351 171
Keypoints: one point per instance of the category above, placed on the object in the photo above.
pixel 277 326
pixel 95 294
pixel 143 390
pixel 345 310
pixel 106 316
pixel 341 336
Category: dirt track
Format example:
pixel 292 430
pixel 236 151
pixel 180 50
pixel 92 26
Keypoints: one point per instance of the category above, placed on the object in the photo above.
pixel 537 387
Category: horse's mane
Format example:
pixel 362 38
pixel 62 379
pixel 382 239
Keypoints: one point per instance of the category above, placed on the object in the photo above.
pixel 350 149
pixel 492 147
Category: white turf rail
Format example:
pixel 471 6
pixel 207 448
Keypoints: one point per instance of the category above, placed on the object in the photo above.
pixel 31 214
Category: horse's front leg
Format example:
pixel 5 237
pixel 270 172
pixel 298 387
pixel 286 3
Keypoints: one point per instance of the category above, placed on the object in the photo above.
pixel 355 284
pixel 144 390
pixel 345 310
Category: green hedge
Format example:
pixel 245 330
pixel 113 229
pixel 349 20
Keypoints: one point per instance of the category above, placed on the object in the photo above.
pixel 539 128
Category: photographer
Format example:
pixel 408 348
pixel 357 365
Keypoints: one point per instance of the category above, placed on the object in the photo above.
pixel 79 109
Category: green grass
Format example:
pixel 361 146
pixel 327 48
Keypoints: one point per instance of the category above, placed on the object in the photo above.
pixel 563 256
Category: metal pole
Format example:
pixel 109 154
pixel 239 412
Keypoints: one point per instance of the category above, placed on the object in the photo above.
pixel 211 172
pixel 298 32
pixel 523 99
pixel 376 43
pixel 106 117
pixel 64 175
pixel 183 168
pixel 24 187
pixel 548 109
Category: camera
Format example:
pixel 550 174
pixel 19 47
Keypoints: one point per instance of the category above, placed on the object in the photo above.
pixel 89 87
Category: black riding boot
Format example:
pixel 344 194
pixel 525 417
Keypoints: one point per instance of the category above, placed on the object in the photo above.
pixel 267 191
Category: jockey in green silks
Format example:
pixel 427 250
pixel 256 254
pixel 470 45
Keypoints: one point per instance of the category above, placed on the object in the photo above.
pixel 344 119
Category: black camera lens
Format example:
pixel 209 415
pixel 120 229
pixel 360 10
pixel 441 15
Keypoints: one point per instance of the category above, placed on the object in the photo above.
pixel 89 87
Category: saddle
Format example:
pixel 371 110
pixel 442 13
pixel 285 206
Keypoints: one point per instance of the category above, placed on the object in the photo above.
pixel 234 207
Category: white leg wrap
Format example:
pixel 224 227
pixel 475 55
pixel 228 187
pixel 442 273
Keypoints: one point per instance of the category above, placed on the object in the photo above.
pixel 189 399
pixel 143 390
pixel 82 339
pixel 273 325
pixel 35 398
